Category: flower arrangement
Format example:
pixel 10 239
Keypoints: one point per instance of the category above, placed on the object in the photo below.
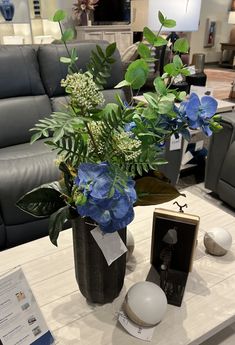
pixel 84 6
pixel 105 152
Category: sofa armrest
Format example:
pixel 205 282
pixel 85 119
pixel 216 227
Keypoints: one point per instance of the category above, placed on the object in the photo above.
pixel 2 234
pixel 218 148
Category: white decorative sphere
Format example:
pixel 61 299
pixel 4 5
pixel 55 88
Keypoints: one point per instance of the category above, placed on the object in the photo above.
pixel 217 241
pixel 145 303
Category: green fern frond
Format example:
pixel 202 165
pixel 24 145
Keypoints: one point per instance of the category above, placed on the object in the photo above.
pixel 100 64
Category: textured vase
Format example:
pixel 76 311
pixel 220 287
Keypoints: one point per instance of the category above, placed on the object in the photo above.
pixel 97 281
pixel 7 10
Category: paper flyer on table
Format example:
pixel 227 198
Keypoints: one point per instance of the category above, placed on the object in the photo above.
pixel 21 321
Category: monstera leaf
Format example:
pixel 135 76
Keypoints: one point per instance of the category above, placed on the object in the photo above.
pixel 153 190
pixel 42 201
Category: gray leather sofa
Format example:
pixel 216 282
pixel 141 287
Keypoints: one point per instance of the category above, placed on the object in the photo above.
pixel 220 165
pixel 29 90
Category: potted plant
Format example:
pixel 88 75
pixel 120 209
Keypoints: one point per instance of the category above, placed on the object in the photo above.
pixel 109 155
pixel 82 10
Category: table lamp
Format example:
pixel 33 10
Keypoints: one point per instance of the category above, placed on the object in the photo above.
pixel 231 20
pixel 186 13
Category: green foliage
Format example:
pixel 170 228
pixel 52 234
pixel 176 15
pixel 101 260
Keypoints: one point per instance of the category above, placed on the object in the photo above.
pixel 56 222
pixel 129 137
pixel 160 86
pixel 67 35
pixel 144 51
pixel 176 67
pixel 181 45
pixel 59 16
pixel 167 23
pixel 42 201
pixel 152 190
pixel 152 39
pixel 100 64
pixel 67 135
pixel 137 73
pixel 149 35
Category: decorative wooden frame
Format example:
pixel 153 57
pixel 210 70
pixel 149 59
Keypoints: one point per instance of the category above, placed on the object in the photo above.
pixel 174 238
pixel 210 32
pixel 187 229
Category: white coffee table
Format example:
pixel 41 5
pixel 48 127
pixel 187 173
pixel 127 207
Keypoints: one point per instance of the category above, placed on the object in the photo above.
pixel 223 106
pixel 208 304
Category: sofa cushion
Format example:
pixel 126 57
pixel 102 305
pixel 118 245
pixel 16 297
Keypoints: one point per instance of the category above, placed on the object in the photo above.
pixel 23 167
pixel 18 115
pixel 52 70
pixel 19 72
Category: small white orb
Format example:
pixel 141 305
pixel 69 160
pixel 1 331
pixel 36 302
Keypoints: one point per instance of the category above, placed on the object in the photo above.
pixel 217 241
pixel 145 303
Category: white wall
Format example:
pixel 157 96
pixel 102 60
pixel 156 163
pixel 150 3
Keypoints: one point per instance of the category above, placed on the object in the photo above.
pixel 216 10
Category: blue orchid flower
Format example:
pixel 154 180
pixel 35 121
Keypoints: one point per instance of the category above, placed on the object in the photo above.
pixel 110 205
pixel 199 112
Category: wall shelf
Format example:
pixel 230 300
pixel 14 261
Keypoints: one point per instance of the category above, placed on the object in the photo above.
pixel 26 28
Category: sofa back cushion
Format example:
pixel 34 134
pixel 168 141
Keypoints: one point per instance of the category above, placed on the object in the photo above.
pixel 52 70
pixel 19 72
pixel 18 115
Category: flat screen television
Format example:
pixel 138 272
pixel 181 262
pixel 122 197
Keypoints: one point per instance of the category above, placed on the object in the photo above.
pixel 112 12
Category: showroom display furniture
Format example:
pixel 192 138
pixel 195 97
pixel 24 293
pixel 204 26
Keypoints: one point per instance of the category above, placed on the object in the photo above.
pixel 30 90
pixel 231 48
pixel 220 165
pixel 121 34
pixel 208 305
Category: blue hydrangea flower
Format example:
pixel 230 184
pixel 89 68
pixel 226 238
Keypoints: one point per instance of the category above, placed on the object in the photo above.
pixel 129 126
pixel 199 111
pixel 108 204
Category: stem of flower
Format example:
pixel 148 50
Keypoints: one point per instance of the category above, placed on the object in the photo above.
pixel 93 140
pixel 66 47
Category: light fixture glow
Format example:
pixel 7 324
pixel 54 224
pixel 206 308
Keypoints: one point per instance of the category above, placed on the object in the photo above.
pixel 231 17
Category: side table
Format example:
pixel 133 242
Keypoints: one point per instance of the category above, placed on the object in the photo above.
pixel 229 47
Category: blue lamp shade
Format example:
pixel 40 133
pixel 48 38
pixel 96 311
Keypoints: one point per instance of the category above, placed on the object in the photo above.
pixel 7 9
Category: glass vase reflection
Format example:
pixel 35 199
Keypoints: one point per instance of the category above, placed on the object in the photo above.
pixel 7 9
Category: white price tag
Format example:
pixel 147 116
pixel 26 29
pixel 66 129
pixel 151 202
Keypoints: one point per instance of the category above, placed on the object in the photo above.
pixel 178 78
pixel 187 157
pixel 143 333
pixel 175 143
pixel 110 244
pixel 199 145
pixel 191 69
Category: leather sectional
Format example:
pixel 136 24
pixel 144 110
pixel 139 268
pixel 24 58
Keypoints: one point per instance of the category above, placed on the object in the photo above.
pixel 30 90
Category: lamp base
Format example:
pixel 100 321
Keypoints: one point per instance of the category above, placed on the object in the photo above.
pixel 232 36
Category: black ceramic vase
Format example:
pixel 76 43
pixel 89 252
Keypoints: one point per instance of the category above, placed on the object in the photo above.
pixel 7 9
pixel 97 281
